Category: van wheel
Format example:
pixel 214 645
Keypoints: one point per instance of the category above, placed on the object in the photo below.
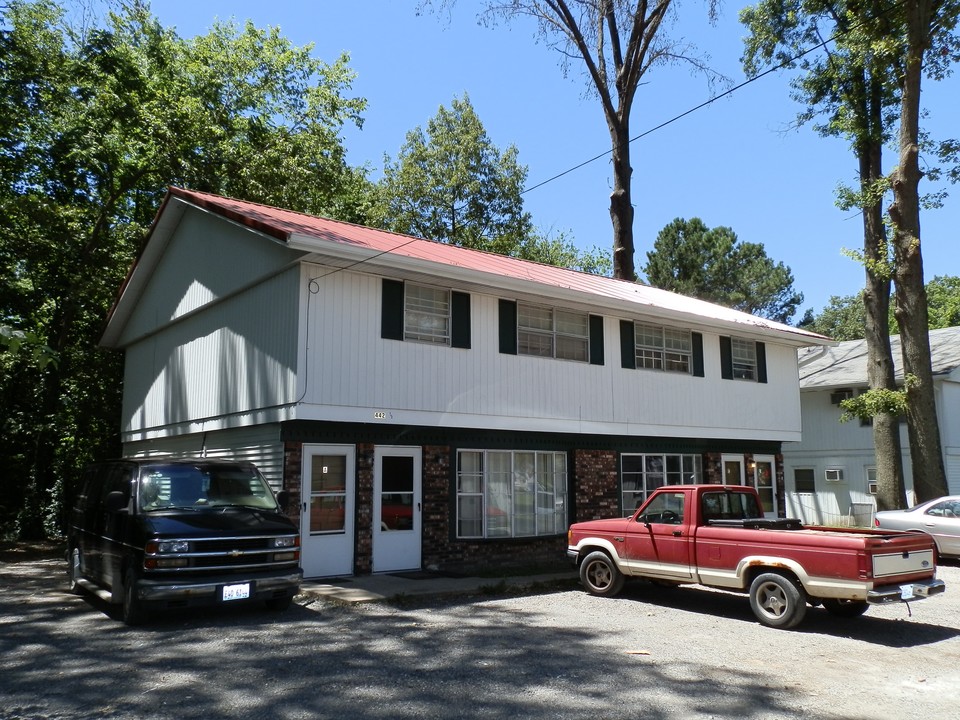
pixel 74 571
pixel 845 608
pixel 600 575
pixel 777 601
pixel 133 610
pixel 279 604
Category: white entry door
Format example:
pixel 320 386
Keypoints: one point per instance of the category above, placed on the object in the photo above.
pixel 764 474
pixel 327 510
pixel 396 508
pixel 732 469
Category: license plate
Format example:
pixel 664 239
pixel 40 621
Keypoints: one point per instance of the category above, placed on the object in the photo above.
pixel 906 592
pixel 236 592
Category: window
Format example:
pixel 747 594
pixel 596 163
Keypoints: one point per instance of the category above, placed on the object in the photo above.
pixel 742 359
pixel 744 354
pixel 549 332
pixel 804 480
pixel 660 348
pixel 833 475
pixel 426 314
pixel 871 480
pixel 640 475
pixel 502 494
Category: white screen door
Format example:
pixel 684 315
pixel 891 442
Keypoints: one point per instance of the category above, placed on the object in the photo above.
pixel 396 508
pixel 764 474
pixel 327 510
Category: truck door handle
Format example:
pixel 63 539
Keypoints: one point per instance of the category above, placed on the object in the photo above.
pixel 677 533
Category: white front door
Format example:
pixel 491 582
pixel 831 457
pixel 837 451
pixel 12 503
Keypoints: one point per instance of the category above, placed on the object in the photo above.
pixel 327 510
pixel 732 469
pixel 764 474
pixel 396 508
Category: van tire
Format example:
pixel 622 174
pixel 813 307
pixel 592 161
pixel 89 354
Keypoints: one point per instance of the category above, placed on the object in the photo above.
pixel 74 570
pixel 777 600
pixel 133 610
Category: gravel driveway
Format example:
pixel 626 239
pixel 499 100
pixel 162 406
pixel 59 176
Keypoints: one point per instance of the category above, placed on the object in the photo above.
pixel 651 653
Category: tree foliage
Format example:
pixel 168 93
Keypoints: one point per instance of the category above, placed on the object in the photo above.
pixel 95 122
pixel 843 318
pixel 712 264
pixel 451 183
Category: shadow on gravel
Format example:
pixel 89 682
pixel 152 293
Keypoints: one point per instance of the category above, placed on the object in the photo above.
pixel 470 660
pixel 895 633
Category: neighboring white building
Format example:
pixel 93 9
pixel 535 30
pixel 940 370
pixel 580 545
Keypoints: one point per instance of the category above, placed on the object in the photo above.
pixel 831 471
pixel 433 406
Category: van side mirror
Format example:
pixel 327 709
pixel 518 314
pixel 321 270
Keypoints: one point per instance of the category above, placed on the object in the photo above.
pixel 283 499
pixel 115 501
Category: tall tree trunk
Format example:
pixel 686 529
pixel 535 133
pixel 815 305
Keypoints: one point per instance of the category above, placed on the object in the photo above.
pixel 929 479
pixel 621 205
pixel 891 491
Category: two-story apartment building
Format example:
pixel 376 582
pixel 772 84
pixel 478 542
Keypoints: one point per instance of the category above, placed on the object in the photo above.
pixel 430 406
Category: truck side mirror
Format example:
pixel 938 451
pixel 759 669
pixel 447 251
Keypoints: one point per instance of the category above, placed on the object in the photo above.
pixel 283 499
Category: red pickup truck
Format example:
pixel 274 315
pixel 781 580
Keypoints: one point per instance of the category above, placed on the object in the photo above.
pixel 716 535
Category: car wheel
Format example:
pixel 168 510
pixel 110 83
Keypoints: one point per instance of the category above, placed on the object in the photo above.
pixel 777 601
pixel 279 604
pixel 74 570
pixel 845 608
pixel 133 609
pixel 600 575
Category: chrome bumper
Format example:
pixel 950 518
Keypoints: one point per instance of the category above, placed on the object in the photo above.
pixel 905 593
pixel 261 586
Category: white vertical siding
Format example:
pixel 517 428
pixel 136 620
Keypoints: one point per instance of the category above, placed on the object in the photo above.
pixel 241 356
pixel 350 373
pixel 260 445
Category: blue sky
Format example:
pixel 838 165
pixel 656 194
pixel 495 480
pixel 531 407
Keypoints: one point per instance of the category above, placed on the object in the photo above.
pixel 737 163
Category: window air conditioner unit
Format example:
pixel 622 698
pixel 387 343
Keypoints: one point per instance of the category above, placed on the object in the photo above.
pixel 833 474
pixel 872 488
pixel 838 396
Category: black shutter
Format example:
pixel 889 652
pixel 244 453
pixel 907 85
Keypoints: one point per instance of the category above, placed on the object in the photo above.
pixel 697 343
pixel 508 327
pixel 460 320
pixel 726 359
pixel 596 340
pixel 628 346
pixel 761 362
pixel 391 319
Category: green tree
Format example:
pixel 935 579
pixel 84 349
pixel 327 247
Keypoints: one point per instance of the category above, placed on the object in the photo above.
pixel 712 264
pixel 452 184
pixel 95 122
pixel 843 318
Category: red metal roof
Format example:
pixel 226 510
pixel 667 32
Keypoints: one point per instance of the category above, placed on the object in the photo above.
pixel 287 224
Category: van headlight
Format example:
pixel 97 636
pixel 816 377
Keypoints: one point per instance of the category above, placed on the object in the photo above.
pixel 285 542
pixel 166 547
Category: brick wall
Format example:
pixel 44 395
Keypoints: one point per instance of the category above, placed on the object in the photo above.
pixel 595 485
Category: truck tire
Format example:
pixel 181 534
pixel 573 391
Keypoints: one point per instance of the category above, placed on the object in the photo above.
pixel 777 601
pixel 845 608
pixel 133 612
pixel 600 575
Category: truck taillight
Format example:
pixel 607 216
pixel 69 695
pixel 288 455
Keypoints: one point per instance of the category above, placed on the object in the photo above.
pixel 864 565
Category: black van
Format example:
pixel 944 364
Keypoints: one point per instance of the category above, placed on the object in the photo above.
pixel 162 533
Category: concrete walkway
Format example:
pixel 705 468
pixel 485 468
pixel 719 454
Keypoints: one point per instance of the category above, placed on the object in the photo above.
pixel 396 586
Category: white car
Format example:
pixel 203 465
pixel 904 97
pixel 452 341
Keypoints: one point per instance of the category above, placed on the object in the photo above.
pixel 939 518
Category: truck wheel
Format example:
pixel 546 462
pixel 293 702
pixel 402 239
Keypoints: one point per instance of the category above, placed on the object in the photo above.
pixel 845 608
pixel 133 610
pixel 600 575
pixel 74 570
pixel 777 601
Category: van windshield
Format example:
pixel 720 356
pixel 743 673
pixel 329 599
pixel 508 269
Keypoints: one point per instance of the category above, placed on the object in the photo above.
pixel 179 485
